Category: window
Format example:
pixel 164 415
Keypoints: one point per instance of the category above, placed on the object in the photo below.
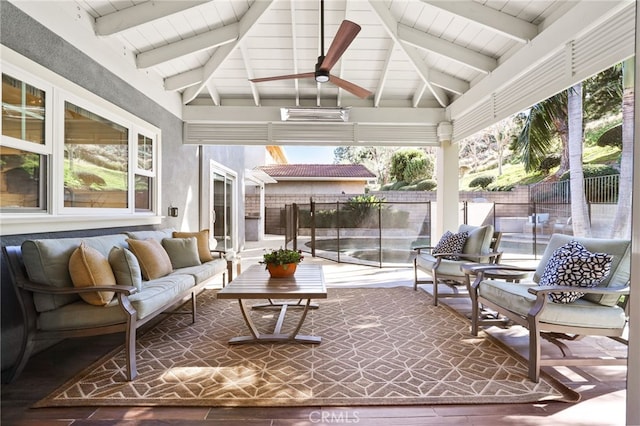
pixel 23 165
pixel 95 160
pixel 145 172
pixel 69 159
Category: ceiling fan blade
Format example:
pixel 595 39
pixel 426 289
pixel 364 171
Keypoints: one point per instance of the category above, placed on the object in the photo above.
pixel 284 77
pixel 350 87
pixel 344 37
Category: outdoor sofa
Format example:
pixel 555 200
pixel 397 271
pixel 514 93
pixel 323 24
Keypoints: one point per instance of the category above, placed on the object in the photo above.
pixel 76 287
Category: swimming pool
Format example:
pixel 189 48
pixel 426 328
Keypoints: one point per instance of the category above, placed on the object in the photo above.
pixel 395 251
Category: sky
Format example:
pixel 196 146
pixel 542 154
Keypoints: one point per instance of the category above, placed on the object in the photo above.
pixel 309 154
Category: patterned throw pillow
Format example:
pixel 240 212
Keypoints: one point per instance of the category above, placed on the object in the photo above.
pixel 573 265
pixel 451 243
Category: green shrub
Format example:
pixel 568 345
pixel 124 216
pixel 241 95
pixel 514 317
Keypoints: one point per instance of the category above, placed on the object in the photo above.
pixel 426 185
pixel 481 182
pixel 549 163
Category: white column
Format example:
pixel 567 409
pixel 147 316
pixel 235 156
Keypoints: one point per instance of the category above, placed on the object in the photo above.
pixel 446 216
pixel 261 214
pixel 633 363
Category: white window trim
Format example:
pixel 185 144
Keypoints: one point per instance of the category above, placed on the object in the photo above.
pixel 57 218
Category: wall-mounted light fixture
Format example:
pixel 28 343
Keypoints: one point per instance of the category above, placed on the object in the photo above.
pixel 173 211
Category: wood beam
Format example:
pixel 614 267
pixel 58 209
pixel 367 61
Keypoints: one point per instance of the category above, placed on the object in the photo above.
pixel 208 40
pixel 140 14
pixel 455 52
pixel 509 26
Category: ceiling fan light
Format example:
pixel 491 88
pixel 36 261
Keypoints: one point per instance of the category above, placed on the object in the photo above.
pixel 322 76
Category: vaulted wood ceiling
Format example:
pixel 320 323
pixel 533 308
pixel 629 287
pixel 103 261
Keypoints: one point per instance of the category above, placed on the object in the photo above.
pixel 448 59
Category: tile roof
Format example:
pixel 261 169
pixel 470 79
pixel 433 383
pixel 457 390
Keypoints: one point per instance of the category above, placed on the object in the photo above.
pixel 347 171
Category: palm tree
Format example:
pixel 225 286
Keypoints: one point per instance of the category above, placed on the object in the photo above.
pixel 542 124
pixel 622 221
pixel 579 211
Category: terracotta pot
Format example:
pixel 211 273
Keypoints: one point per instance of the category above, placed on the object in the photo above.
pixel 282 271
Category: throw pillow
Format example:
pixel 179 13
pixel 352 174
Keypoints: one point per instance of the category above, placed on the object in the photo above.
pixel 203 243
pixel 89 268
pixel 451 243
pixel 183 252
pixel 573 265
pixel 154 260
pixel 126 267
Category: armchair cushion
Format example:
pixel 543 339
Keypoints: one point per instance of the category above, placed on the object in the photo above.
pixel 582 313
pixel 451 243
pixel 573 265
pixel 620 263
pixel 478 241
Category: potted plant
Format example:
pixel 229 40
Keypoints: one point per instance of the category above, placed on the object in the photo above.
pixel 282 262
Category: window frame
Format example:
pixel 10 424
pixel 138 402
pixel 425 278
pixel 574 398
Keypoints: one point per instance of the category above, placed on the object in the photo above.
pixel 56 217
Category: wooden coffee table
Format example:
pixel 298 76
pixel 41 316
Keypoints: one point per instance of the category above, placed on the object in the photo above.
pixel 255 283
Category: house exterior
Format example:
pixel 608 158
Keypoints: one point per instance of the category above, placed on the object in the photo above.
pixel 317 178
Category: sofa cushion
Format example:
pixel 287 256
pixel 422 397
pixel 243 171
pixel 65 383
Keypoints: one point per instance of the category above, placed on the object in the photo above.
pixel 620 251
pixel 157 234
pixel 573 265
pixel 47 262
pixel 154 260
pixel 451 243
pixel 183 252
pixel 89 268
pixel 126 267
pixel 582 313
pixel 204 271
pixel 203 243
pixel 154 295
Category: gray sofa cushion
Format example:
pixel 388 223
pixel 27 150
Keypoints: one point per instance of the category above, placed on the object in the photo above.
pixel 47 262
pixel 125 267
pixel 155 234
pixel 155 294
pixel 183 252
pixel 204 271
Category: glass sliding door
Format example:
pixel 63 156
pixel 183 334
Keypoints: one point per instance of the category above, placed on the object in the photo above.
pixel 223 210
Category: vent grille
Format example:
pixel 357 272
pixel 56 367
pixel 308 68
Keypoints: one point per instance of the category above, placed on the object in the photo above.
pixel 309 132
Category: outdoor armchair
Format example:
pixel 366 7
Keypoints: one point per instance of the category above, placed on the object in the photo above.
pixel 442 262
pixel 537 307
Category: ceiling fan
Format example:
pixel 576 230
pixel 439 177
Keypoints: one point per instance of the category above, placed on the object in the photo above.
pixel 344 37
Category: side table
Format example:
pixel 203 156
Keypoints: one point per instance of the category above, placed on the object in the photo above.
pixel 494 271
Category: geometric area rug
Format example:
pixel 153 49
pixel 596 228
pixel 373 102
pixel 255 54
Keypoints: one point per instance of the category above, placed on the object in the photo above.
pixel 380 346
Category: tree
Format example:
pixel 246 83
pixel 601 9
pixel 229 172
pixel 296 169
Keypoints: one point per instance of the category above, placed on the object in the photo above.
pixel 622 221
pixel 579 211
pixel 375 158
pixel 542 123
pixel 411 164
